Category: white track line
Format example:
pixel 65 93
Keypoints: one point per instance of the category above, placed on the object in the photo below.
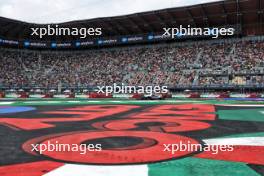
pixel 89 170
pixel 242 105
pixel 249 141
pixel 6 103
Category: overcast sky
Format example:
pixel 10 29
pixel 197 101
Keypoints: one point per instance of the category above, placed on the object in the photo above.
pixel 54 11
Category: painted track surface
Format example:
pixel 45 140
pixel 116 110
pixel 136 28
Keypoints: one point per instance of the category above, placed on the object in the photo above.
pixel 132 134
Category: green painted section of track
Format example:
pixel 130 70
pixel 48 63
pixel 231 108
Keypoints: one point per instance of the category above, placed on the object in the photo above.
pixel 200 167
pixel 260 134
pixel 242 114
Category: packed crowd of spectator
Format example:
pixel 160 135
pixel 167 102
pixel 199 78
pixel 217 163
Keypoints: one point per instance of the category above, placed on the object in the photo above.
pixel 170 64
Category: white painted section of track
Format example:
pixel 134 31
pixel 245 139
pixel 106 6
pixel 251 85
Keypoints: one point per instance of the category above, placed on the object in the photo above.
pixel 6 103
pixel 32 102
pixel 248 141
pixel 181 101
pixel 73 101
pixel 52 102
pixel 90 170
pixel 242 105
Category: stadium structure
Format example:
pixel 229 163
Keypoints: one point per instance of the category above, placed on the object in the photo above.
pixel 49 95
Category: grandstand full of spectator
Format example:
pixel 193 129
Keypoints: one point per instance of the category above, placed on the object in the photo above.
pixel 172 65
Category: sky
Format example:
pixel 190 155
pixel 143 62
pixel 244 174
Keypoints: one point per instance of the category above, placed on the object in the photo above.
pixel 56 11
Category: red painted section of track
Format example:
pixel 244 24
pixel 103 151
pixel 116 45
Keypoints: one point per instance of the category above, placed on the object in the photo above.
pixel 245 154
pixel 170 124
pixel 172 118
pixel 29 169
pixel 84 113
pixel 142 155
pixel 183 112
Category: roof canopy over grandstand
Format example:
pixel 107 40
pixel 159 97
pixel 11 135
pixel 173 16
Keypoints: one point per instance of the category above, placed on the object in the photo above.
pixel 247 13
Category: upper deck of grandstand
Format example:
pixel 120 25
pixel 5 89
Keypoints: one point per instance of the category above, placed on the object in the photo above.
pixel 245 14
